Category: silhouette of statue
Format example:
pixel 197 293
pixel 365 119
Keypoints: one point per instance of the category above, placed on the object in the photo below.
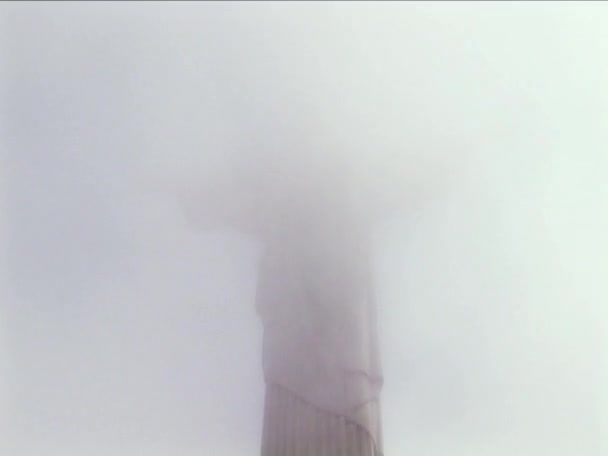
pixel 314 214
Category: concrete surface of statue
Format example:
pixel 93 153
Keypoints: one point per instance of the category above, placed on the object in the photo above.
pixel 320 353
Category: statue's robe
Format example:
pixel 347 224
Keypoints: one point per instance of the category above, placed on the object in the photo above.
pixel 320 353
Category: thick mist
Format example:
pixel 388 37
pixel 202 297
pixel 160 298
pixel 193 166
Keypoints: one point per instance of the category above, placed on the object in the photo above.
pixel 125 330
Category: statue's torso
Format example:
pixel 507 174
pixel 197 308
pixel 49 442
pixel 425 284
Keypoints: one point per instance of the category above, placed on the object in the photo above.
pixel 315 299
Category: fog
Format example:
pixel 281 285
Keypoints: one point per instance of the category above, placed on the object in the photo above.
pixel 124 330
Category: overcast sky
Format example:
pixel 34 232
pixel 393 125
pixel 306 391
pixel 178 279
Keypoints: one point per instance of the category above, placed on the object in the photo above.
pixel 124 331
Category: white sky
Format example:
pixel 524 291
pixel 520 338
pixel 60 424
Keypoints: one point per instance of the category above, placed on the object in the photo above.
pixel 124 331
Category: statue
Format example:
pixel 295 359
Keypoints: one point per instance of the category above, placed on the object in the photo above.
pixel 314 213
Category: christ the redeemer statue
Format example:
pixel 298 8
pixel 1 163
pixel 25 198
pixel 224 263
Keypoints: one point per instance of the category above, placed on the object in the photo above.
pixel 315 298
